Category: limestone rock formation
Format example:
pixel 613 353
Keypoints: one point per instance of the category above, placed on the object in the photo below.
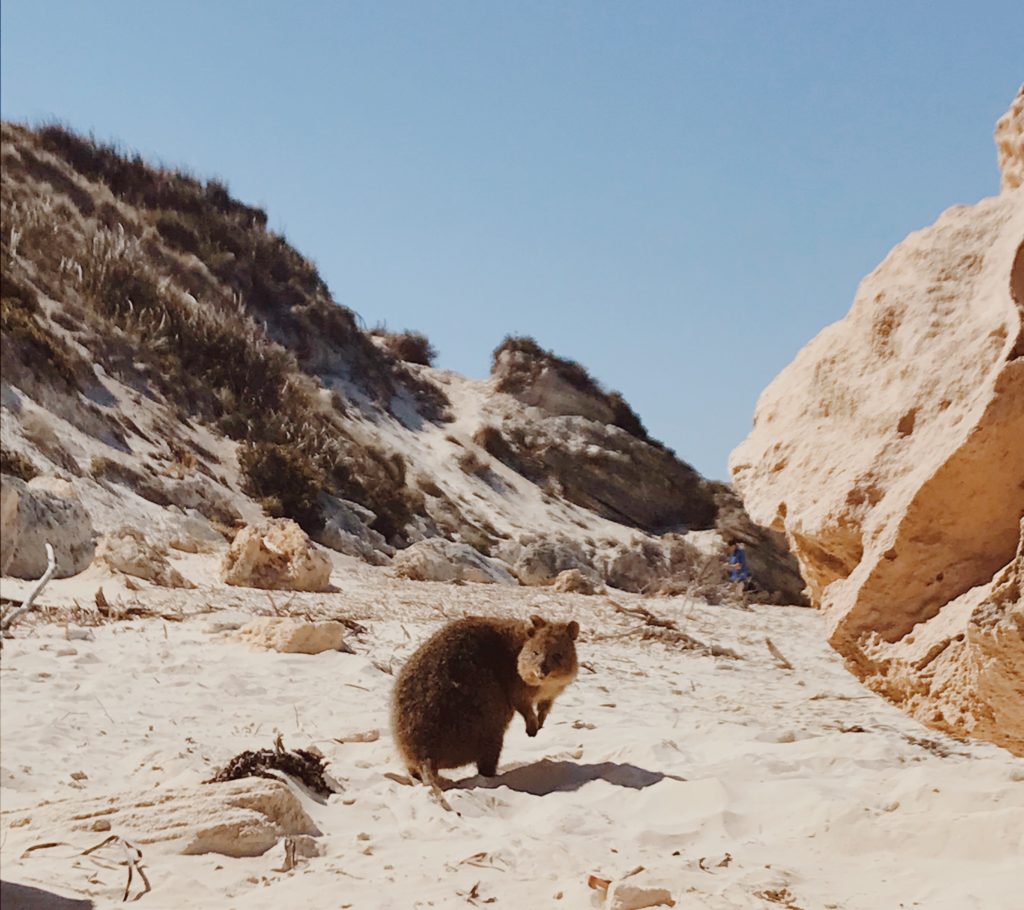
pixel 237 818
pixel 44 510
pixel 541 559
pixel 891 452
pixel 1010 144
pixel 277 555
pixel 437 559
pixel 294 636
pixel 128 551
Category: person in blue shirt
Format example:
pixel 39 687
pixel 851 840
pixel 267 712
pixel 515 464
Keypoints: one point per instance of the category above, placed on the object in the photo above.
pixel 737 564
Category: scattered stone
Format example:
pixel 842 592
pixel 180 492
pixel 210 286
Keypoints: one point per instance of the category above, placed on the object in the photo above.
pixel 295 636
pixel 625 895
pixel 276 554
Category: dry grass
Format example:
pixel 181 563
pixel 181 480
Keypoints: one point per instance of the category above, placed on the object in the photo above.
pixel 177 286
pixel 18 465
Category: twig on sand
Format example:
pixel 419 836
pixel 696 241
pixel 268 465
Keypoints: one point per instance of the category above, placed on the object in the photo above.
pixel 777 654
pixel 14 615
pixel 368 736
pixel 133 859
pixel 665 630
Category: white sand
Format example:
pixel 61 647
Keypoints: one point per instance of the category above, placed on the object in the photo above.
pixel 689 758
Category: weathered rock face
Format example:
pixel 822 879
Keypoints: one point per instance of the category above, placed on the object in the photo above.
pixel 541 560
pixel 607 470
pixel 44 510
pixel 773 568
pixel 639 566
pixel 347 530
pixel 438 559
pixel 128 551
pixel 891 451
pixel 276 555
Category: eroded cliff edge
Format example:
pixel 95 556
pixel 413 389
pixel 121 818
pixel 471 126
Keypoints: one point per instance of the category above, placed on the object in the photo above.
pixel 891 452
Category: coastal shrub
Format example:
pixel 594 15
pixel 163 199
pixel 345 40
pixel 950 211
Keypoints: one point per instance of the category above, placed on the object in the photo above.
pixel 284 480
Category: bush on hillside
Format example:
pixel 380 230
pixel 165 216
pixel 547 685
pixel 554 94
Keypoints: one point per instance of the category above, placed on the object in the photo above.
pixel 284 480
pixel 412 347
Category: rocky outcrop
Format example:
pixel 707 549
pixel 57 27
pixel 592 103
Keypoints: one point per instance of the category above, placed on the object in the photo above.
pixel 127 550
pixel 237 818
pixel 890 452
pixel 539 560
pixel 605 469
pixel 438 559
pixel 275 555
pixel 638 566
pixel 294 636
pixel 44 510
pixel 347 530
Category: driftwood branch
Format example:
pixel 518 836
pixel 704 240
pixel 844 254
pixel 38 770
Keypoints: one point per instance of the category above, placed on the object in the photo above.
pixel 14 615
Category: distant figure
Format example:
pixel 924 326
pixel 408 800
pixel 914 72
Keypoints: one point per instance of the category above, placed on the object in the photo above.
pixel 737 565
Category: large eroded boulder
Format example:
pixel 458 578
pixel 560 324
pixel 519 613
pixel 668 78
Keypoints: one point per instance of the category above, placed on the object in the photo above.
pixel 44 510
pixel 237 818
pixel 275 555
pixel 128 551
pixel 541 559
pixel 437 559
pixel 891 452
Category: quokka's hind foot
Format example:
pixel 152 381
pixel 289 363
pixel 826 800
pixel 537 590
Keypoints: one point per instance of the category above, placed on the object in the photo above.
pixel 429 776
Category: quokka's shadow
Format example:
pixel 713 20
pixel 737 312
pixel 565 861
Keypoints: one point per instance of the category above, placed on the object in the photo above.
pixel 547 776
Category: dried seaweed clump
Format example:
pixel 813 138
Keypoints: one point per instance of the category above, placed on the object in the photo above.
pixel 298 763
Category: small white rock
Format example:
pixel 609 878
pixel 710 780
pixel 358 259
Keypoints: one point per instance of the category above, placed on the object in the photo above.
pixel 625 895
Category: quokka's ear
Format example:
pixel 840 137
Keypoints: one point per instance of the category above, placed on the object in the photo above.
pixel 539 622
pixel 573 629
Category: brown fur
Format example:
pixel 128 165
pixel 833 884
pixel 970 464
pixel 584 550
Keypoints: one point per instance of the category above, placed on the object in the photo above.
pixel 457 694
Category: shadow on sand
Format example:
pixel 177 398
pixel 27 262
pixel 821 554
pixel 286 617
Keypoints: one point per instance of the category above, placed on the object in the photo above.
pixel 25 897
pixel 548 776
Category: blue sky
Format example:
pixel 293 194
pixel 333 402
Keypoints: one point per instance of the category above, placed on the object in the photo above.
pixel 678 195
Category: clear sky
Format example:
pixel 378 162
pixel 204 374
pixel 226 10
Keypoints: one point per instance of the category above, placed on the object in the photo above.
pixel 678 195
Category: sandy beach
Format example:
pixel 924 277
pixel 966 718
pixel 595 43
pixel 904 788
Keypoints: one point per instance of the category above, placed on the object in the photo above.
pixel 733 782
